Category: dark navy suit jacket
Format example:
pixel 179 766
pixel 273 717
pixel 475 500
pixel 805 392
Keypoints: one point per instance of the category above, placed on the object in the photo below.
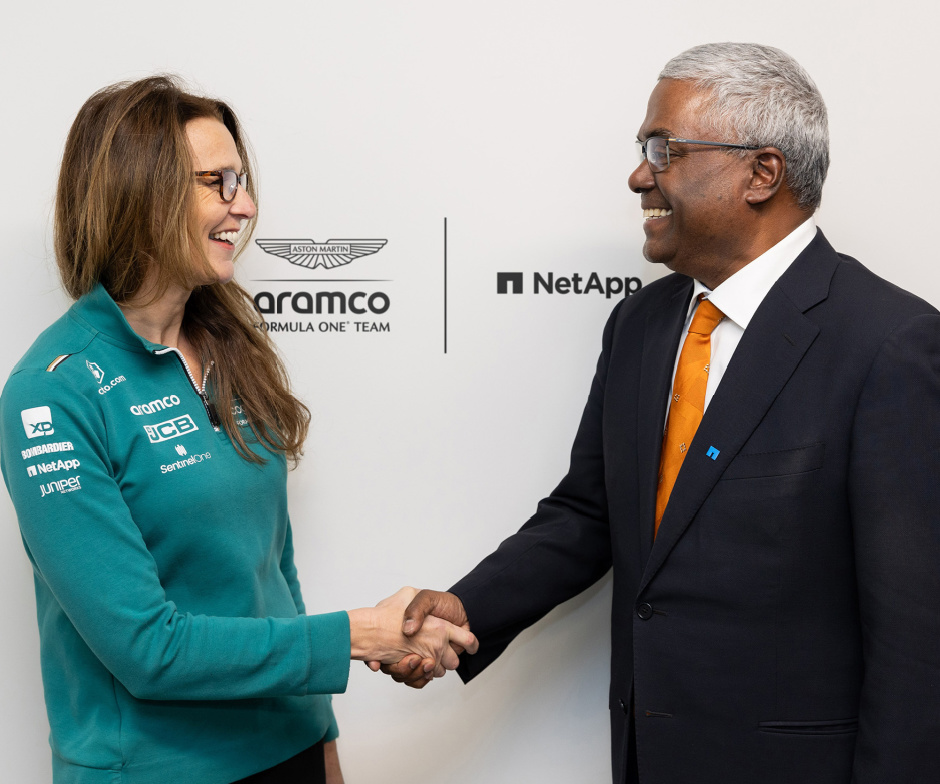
pixel 784 626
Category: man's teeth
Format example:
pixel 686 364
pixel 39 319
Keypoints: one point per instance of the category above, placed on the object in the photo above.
pixel 225 236
pixel 656 212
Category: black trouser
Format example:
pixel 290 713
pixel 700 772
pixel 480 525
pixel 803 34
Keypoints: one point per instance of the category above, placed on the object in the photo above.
pixel 305 768
pixel 633 776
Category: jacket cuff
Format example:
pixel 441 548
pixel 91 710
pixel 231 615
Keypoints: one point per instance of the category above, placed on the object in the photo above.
pixel 328 637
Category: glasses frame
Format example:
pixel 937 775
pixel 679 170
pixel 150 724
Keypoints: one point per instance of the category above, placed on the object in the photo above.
pixel 241 180
pixel 668 139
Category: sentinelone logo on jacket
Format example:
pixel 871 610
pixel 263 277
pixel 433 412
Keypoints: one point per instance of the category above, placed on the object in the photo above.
pixel 304 304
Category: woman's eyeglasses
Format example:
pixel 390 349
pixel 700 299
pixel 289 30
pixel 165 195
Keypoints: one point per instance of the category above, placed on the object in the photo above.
pixel 229 180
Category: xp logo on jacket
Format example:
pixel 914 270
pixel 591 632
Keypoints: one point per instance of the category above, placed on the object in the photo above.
pixel 172 428
pixel 37 421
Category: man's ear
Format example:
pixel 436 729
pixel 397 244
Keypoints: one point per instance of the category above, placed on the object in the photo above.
pixel 768 173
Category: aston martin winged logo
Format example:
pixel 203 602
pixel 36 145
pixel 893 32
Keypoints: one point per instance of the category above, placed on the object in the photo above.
pixel 329 254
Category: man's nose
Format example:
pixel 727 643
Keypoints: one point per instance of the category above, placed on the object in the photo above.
pixel 642 178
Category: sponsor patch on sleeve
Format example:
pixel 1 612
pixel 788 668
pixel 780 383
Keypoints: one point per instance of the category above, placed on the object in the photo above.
pixel 52 466
pixel 60 486
pixel 45 449
pixel 37 422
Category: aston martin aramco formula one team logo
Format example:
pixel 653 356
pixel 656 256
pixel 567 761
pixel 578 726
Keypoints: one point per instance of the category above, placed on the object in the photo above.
pixel 326 302
pixel 329 254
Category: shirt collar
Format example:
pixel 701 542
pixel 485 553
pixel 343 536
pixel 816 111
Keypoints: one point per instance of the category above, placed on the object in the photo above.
pixel 98 311
pixel 739 296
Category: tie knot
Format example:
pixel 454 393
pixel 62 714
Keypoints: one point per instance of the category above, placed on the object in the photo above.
pixel 706 318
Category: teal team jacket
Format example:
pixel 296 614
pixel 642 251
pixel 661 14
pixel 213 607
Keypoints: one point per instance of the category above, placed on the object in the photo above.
pixel 173 638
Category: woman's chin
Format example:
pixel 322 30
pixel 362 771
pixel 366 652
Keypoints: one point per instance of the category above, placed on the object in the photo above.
pixel 221 272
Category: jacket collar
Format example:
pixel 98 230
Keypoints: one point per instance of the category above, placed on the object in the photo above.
pixel 99 313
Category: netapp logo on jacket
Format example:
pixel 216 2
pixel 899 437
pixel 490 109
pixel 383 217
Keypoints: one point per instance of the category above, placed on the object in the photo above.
pixel 155 405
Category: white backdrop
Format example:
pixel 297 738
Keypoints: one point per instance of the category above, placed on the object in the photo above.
pixel 514 120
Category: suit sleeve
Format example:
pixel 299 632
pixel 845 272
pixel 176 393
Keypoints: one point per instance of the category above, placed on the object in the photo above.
pixel 895 496
pixel 563 548
pixel 85 546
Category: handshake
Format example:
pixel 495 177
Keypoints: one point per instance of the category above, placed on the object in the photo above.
pixel 414 636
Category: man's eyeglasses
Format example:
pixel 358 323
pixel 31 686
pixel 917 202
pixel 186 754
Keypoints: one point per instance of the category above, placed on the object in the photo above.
pixel 655 150
pixel 229 180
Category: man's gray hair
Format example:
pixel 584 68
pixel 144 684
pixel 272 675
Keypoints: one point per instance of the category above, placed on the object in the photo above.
pixel 766 98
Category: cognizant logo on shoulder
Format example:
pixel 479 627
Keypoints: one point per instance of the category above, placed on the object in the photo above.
pixel 172 428
pixel 37 421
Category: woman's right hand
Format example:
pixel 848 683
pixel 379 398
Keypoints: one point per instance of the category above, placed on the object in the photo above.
pixel 376 636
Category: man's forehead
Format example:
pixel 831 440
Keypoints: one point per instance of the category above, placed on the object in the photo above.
pixel 674 109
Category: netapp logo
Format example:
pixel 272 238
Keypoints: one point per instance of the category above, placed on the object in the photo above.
pixel 505 280
pixel 512 283
pixel 329 254
pixel 172 428
pixel 155 405
pixel 55 465
pixel 322 302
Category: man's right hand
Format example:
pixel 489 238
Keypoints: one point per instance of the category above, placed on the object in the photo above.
pixel 375 635
pixel 413 671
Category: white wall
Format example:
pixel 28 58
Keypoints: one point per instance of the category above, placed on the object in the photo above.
pixel 515 120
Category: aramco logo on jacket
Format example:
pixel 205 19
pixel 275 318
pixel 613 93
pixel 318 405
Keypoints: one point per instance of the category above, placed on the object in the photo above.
pixel 329 254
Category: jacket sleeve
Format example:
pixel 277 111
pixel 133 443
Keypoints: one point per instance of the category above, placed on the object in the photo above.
pixel 88 552
pixel 895 504
pixel 562 549
pixel 289 570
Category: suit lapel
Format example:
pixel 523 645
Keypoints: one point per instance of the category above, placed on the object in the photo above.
pixel 769 352
pixel 663 332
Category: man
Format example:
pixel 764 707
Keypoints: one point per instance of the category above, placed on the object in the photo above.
pixel 776 599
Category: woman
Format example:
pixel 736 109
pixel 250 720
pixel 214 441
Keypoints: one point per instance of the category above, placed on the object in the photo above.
pixel 146 436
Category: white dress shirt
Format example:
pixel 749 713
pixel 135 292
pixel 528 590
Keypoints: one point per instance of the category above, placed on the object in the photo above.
pixel 739 297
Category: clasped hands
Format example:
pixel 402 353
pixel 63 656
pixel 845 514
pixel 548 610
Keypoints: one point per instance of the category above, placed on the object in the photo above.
pixel 413 636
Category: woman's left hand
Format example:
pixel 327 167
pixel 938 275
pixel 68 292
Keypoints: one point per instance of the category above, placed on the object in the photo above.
pixel 376 635
pixel 331 762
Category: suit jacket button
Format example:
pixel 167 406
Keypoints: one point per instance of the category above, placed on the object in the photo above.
pixel 644 611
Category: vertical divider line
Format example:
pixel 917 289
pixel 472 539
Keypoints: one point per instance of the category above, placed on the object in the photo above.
pixel 445 285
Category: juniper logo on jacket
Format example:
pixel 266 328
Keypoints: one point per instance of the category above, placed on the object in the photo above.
pixel 60 486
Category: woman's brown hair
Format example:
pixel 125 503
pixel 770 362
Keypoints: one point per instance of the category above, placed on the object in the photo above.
pixel 124 218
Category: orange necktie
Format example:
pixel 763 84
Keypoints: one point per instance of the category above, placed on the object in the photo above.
pixel 688 400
